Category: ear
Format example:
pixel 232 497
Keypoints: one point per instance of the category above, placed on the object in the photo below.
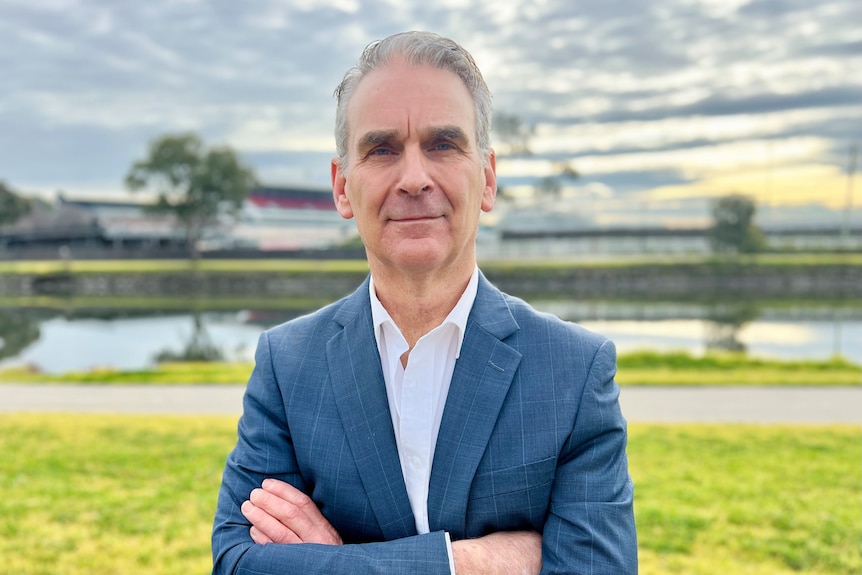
pixel 490 192
pixel 339 192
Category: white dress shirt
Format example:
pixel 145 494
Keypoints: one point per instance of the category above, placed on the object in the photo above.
pixel 417 394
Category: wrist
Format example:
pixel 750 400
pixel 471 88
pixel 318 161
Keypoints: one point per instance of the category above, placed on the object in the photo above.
pixel 468 555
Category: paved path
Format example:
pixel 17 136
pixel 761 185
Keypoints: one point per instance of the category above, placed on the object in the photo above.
pixel 640 404
pixel 131 399
pixel 743 404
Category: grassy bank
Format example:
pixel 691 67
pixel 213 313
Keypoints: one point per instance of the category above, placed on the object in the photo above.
pixel 361 266
pixel 678 369
pixel 640 368
pixel 110 494
pixel 159 266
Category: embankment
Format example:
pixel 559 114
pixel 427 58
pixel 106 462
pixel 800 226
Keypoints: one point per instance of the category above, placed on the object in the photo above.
pixel 708 279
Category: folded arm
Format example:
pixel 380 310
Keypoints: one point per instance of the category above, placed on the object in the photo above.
pixel 280 513
pixel 590 528
pixel 265 450
pixel 265 522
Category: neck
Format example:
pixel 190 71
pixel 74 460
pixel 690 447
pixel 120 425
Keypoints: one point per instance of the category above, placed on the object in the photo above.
pixel 419 304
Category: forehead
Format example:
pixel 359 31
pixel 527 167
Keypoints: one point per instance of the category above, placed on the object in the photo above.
pixel 407 99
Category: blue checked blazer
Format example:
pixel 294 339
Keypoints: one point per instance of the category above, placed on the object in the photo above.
pixel 531 438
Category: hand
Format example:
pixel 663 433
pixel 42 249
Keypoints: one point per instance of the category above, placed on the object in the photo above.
pixel 281 513
pixel 502 553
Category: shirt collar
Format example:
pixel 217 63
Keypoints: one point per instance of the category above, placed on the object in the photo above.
pixel 457 317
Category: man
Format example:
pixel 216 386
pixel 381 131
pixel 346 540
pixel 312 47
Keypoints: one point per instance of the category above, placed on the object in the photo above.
pixel 427 423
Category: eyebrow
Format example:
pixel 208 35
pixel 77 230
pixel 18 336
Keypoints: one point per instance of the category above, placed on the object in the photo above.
pixel 453 133
pixel 375 138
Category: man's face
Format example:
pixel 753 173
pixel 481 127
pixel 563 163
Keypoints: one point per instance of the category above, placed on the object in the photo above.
pixel 415 181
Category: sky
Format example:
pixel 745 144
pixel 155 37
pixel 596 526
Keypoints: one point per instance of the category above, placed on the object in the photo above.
pixel 660 107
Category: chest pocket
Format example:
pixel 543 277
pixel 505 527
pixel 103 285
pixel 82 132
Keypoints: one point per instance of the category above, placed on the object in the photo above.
pixel 511 498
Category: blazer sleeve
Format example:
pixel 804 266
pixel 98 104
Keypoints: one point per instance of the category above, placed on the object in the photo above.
pixel 265 449
pixel 590 529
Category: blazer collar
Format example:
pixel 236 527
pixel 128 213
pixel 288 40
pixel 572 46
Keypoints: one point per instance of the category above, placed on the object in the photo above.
pixel 360 397
pixel 479 387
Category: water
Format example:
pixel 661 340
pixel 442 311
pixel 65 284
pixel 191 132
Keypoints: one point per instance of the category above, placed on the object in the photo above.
pixel 57 342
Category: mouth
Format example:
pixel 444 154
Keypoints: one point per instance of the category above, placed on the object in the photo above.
pixel 417 218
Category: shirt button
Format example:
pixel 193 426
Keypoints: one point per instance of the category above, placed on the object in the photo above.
pixel 414 462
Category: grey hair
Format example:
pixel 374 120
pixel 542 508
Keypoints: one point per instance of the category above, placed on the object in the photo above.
pixel 418 49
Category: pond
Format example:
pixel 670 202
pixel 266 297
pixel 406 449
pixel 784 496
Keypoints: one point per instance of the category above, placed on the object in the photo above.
pixel 61 340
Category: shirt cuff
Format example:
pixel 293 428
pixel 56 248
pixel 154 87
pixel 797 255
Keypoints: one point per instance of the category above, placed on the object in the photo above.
pixel 449 551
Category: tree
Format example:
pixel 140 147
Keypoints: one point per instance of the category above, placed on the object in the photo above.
pixel 733 229
pixel 515 136
pixel 513 133
pixel 12 206
pixel 192 183
pixel 552 186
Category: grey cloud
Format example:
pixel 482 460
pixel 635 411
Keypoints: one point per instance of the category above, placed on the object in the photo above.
pixel 830 48
pixel 769 9
pixel 721 105
pixel 162 66
pixel 71 156
pixel 623 183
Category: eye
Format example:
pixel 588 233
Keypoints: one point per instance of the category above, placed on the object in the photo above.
pixel 380 152
pixel 443 146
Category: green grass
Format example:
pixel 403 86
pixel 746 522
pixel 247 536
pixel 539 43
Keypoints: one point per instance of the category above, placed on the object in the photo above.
pixel 109 494
pixel 361 266
pixel 163 374
pixel 647 368
pixel 637 368
pixel 156 266
pixel 647 260
pixel 748 500
pixel 86 494
pixel 163 303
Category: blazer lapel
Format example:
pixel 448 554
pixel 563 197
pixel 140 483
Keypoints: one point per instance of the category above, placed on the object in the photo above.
pixel 483 374
pixel 360 396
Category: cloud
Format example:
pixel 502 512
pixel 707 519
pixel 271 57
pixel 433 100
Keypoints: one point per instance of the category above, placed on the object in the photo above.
pixel 789 185
pixel 675 97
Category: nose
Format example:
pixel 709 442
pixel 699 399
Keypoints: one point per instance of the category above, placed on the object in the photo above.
pixel 414 177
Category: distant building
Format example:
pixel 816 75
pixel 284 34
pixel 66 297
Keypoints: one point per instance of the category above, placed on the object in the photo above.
pixel 91 225
pixel 295 219
pixel 619 241
pixel 271 218
pixel 283 218
pixel 532 232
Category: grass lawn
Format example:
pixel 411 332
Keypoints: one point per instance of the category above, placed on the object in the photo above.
pixel 158 266
pixel 361 266
pixel 87 494
pixel 165 373
pixel 638 368
pixel 680 368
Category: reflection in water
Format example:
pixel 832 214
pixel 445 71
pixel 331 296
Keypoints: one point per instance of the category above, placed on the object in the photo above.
pixel 200 347
pixel 18 329
pixel 726 321
pixel 129 343
pixel 60 341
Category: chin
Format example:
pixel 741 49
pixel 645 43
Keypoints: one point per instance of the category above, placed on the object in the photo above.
pixel 419 261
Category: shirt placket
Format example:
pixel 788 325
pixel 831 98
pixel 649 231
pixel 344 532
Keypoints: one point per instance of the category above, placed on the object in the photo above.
pixel 416 423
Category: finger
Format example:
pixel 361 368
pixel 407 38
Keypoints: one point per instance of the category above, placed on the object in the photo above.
pixel 287 513
pixel 258 536
pixel 267 525
pixel 300 500
pixel 297 511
